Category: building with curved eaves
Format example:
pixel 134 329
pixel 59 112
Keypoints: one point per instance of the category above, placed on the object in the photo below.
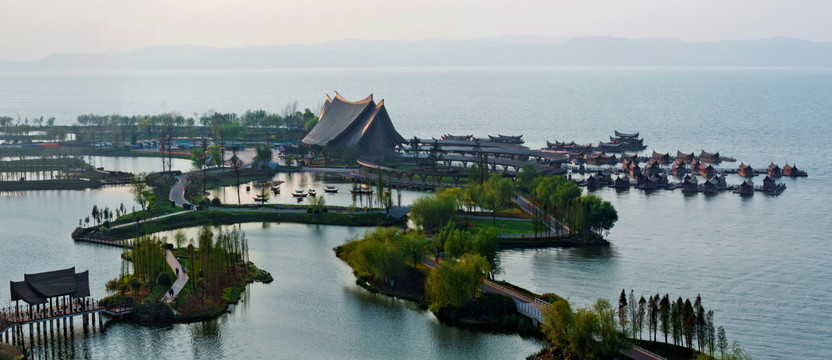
pixel 363 124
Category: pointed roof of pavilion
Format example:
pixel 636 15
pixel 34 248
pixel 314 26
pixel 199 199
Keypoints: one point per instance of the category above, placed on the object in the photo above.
pixel 37 288
pixel 626 135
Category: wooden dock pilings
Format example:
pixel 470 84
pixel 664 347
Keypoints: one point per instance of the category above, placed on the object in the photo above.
pixel 101 239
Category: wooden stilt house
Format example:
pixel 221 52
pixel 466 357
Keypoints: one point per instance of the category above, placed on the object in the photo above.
pixel 745 170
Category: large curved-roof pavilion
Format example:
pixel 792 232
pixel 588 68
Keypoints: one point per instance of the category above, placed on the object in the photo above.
pixel 363 123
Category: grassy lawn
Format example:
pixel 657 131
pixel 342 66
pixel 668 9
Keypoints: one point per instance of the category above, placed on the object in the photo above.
pixel 505 226
pixel 212 217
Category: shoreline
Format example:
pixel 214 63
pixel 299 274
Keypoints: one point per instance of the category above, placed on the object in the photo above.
pixel 185 219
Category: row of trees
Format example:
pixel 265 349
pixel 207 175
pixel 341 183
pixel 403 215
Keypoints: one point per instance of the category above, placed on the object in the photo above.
pixel 432 212
pixel 686 323
pixel 562 199
pixel 218 259
pixel 99 216
pixel 52 165
pixel 115 128
pixel 22 126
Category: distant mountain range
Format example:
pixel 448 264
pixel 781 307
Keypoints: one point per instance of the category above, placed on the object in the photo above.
pixel 502 51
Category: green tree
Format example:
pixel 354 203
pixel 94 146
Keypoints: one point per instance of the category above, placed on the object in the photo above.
pixel 140 190
pixel 199 160
pixel 381 253
pixel 526 176
pixel 640 315
pixel 179 238
pixel 664 316
pixel 415 147
pixel 262 156
pixel 317 204
pixel 622 309
pixel 453 283
pixel 487 244
pixel 613 340
pixel 497 193
pixel 558 321
pixel 431 212
pixel 601 215
pixel 721 342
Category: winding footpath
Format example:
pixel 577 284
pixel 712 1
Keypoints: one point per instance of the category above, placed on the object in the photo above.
pixel 181 277
pixel 177 192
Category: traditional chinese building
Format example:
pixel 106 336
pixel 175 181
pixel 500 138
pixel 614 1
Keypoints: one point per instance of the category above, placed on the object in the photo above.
pixel 745 170
pixel 709 157
pixel 362 124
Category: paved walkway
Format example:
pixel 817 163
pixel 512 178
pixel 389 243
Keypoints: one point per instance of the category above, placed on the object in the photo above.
pixel 529 207
pixel 327 169
pixel 177 192
pixel 181 279
pixel 133 223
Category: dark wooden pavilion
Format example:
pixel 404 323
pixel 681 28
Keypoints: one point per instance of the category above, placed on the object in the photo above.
pixel 51 291
pixel 709 157
pixel 746 188
pixel 679 168
pixel 686 157
pixel 792 171
pixel 774 170
pixel 706 171
pixel 690 184
pixel 663 158
pixel 653 167
pixel 745 170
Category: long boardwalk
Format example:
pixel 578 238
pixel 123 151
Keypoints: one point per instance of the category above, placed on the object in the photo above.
pixel 181 277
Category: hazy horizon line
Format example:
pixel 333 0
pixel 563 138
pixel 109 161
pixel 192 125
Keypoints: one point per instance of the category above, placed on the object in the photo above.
pixel 508 38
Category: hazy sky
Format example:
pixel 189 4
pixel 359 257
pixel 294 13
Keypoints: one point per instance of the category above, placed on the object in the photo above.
pixel 33 29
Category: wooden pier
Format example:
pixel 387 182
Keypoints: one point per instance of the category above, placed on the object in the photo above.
pixel 97 238
pixel 50 302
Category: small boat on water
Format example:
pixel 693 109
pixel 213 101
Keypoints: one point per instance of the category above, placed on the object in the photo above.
pixel 312 192
pixel 330 189
pixel 299 194
pixel 275 190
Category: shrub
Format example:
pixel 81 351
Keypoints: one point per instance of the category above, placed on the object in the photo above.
pixel 164 279
pixel 216 202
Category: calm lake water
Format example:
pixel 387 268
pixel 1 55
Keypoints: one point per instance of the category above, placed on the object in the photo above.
pixel 760 263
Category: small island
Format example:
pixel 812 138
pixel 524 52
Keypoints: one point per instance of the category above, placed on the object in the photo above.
pixel 179 284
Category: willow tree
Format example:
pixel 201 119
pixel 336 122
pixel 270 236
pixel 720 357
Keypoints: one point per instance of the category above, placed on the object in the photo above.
pixel 453 283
